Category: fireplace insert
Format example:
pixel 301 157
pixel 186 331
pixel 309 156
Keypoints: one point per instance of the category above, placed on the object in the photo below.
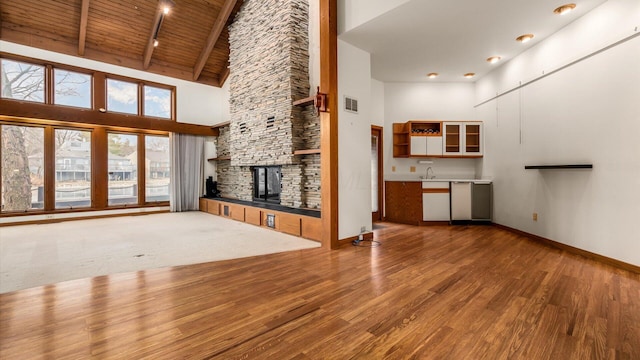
pixel 266 184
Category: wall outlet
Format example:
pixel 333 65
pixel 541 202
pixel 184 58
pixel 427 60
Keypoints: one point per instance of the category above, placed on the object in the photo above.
pixel 393 169
pixel 49 216
pixel 412 169
pixel 535 216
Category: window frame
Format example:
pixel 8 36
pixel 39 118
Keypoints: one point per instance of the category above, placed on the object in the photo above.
pixel 98 88
pixel 99 165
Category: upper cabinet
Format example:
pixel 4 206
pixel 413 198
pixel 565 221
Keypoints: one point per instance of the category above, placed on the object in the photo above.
pixel 462 139
pixel 425 138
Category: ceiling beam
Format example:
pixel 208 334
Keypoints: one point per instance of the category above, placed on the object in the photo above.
pixel 218 26
pixel 84 16
pixel 148 51
pixel 31 37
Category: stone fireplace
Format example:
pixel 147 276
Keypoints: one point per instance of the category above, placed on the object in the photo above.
pixel 269 69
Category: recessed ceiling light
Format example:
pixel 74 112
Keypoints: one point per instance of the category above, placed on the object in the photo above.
pixel 469 75
pixel 494 59
pixel 561 10
pixel 524 38
pixel 432 75
pixel 166 9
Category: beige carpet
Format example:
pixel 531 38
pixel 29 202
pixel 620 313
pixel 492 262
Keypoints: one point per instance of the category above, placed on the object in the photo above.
pixel 34 255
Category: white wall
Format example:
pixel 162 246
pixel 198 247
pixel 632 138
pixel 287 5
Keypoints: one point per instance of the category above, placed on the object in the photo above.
pixel 377 102
pixel 353 13
pixel 196 103
pixel 354 135
pixel 426 101
pixel 587 112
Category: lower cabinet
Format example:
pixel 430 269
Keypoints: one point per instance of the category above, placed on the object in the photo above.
pixel 435 201
pixel 403 202
pixel 308 227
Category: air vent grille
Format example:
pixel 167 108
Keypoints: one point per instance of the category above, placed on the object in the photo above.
pixel 243 127
pixel 271 121
pixel 350 104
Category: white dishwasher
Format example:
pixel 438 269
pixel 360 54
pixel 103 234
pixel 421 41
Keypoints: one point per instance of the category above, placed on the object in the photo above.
pixel 461 200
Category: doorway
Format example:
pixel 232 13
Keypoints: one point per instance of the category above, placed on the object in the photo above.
pixel 377 173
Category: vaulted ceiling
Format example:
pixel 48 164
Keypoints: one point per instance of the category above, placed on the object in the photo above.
pixel 193 41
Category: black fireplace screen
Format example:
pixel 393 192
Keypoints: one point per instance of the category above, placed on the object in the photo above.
pixel 266 183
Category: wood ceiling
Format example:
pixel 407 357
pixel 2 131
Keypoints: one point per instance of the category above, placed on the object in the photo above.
pixel 193 37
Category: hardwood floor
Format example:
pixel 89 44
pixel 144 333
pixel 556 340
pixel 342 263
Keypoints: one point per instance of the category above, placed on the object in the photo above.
pixel 440 292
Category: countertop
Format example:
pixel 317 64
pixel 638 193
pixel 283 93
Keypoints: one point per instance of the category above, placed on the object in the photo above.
pixel 439 179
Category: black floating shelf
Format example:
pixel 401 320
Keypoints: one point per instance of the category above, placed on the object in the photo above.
pixel 551 167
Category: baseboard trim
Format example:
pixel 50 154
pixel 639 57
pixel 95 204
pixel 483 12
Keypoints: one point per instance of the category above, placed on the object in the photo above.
pixel 368 236
pixel 574 250
pixel 89 217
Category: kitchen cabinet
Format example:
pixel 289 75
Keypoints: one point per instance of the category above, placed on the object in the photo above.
pixel 462 139
pixel 435 201
pixel 417 138
pixel 426 145
pixel 401 140
pixel 403 202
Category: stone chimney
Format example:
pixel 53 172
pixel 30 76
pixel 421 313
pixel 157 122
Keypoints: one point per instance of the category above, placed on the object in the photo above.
pixel 269 69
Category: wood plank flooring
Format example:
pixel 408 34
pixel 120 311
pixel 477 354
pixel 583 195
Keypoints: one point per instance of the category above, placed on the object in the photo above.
pixel 437 292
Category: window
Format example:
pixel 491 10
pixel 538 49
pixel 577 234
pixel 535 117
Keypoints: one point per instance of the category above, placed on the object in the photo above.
pixel 73 168
pixel 123 169
pixel 157 102
pixel 54 84
pixel 22 168
pixel 22 81
pixel 72 88
pixel 157 168
pixel 122 96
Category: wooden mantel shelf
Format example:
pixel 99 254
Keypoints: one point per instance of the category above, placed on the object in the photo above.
pixel 306 152
pixel 304 102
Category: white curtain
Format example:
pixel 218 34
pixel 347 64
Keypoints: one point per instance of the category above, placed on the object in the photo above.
pixel 187 171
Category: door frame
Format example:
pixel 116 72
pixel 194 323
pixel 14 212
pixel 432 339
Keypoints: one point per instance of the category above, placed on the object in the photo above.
pixel 379 131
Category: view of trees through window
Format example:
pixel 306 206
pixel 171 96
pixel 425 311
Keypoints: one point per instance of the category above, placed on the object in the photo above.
pixel 23 151
pixel 22 167
pixel 22 81
pixel 72 88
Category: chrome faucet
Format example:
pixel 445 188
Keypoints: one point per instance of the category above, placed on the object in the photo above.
pixel 432 174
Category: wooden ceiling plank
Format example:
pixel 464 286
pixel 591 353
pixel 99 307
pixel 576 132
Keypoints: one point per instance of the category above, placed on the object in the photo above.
pixel 218 26
pixel 82 37
pixel 148 51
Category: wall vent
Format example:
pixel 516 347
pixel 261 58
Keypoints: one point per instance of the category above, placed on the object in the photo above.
pixel 243 127
pixel 271 121
pixel 351 104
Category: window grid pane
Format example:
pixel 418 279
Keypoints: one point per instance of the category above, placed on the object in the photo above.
pixel 22 81
pixel 73 169
pixel 123 169
pixel 157 102
pixel 122 96
pixel 22 168
pixel 157 168
pixel 72 88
